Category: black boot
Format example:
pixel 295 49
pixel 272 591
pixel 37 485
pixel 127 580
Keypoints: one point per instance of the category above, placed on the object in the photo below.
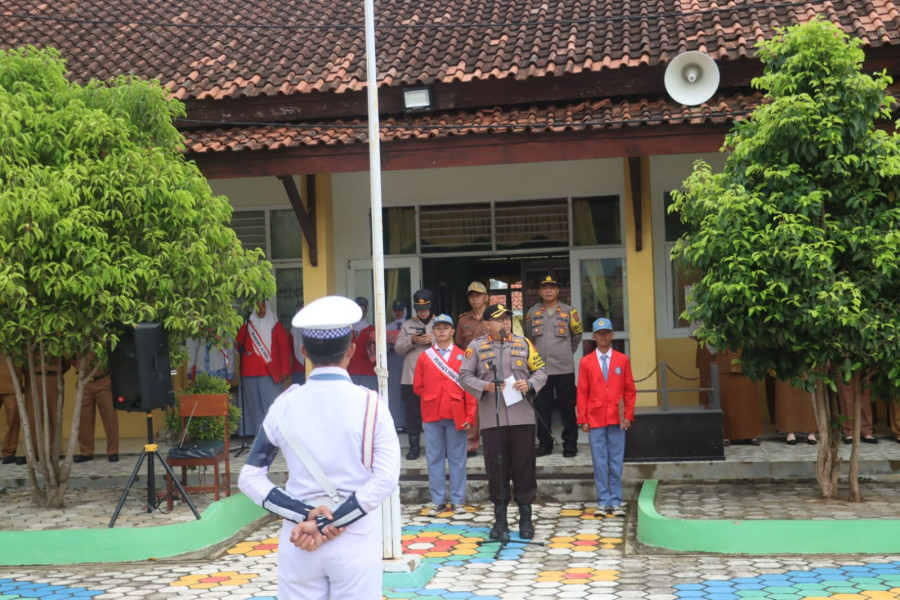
pixel 500 530
pixel 526 527
pixel 414 449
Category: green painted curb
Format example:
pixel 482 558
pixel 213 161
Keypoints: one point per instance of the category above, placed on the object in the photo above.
pixel 773 536
pixel 71 546
pixel 417 578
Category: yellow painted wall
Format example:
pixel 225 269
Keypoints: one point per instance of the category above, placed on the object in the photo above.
pixel 319 281
pixel 680 355
pixel 641 309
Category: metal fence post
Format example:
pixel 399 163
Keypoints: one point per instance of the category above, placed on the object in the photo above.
pixel 714 381
pixel 663 380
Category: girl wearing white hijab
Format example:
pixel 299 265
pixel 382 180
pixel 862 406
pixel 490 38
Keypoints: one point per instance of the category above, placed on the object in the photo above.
pixel 265 364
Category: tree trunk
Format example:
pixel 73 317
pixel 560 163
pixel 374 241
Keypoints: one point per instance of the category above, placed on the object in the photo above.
pixel 856 382
pixel 828 461
pixel 54 474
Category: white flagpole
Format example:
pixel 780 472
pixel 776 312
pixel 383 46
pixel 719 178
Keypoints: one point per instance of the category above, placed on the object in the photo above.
pixel 390 510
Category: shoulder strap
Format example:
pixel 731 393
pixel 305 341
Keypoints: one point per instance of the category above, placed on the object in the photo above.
pixel 368 447
pixel 312 466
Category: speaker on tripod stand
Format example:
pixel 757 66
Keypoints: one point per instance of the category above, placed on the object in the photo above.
pixel 142 382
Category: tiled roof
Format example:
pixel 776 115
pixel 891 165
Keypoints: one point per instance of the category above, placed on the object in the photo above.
pixel 215 49
pixel 589 115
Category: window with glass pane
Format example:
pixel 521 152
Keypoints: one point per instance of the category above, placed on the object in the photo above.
pixel 399 230
pixel 603 291
pixel 532 224
pixel 250 227
pixel 456 228
pixel 289 295
pixel 679 278
pixel 596 221
pixel 287 238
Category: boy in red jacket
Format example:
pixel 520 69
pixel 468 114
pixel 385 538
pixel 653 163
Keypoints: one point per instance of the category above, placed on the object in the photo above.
pixel 447 412
pixel 605 409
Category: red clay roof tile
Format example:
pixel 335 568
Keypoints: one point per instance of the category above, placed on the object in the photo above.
pixel 208 49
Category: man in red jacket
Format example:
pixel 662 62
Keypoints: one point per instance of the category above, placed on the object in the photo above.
pixel 447 412
pixel 605 410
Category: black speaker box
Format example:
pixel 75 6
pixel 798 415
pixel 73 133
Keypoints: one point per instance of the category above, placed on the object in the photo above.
pixel 139 365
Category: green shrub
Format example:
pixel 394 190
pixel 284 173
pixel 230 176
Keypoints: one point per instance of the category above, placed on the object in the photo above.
pixel 205 428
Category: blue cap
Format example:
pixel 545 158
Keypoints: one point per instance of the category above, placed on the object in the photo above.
pixel 443 319
pixel 602 324
pixel 398 305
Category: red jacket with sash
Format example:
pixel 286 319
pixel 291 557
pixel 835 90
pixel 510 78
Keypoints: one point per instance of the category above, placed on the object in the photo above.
pixel 597 400
pixel 438 393
pixel 253 365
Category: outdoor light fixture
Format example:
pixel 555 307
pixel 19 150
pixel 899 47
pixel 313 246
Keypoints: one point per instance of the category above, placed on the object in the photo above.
pixel 417 99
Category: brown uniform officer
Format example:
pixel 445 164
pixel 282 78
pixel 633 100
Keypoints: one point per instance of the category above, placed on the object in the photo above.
pixel 510 433
pixel 471 325
pixel 555 329
pixel 10 409
pixel 98 393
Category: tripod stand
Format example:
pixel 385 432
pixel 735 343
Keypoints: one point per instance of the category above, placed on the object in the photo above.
pixel 503 537
pixel 244 445
pixel 150 450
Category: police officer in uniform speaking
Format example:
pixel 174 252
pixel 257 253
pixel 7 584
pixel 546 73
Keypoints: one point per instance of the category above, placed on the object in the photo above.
pixel 343 460
pixel 512 356
pixel 555 330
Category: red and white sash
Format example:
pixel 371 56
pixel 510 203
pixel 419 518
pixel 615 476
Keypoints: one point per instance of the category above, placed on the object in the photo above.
pixel 258 344
pixel 443 366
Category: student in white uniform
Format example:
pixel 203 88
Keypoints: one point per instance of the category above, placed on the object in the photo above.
pixel 327 548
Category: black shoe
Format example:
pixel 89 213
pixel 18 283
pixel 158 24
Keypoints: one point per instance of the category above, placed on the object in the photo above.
pixel 870 440
pixel 526 527
pixel 80 458
pixel 500 530
pixel 570 452
pixel 113 458
pixel 543 450
pixel 21 460
pixel 8 460
pixel 471 453
pixel 848 440
pixel 414 449
pixel 791 441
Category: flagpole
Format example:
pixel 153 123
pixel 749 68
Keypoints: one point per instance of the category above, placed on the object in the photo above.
pixel 391 508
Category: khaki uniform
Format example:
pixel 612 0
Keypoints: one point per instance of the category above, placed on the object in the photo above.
pixel 515 437
pixel 98 393
pixel 10 409
pixel 469 327
pixel 556 333
pixel 52 379
pixel 741 416
pixel 412 409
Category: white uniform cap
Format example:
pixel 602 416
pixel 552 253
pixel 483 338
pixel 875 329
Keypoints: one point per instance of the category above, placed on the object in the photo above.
pixel 327 318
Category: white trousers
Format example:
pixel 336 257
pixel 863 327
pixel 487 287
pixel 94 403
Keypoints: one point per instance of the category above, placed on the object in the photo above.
pixel 346 568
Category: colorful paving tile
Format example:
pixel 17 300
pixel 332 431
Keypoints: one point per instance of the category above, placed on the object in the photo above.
pixel 449 544
pixel 875 581
pixel 11 589
pixel 266 546
pixel 213 580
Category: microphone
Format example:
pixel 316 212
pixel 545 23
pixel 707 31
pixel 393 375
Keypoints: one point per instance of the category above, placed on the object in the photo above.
pixel 502 334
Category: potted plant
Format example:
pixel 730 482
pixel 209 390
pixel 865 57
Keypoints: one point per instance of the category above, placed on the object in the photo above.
pixel 204 428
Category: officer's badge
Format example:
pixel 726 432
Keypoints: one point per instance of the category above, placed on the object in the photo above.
pixel 518 363
pixel 468 352
pixel 618 371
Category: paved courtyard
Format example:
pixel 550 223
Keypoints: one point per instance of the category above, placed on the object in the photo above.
pixel 583 557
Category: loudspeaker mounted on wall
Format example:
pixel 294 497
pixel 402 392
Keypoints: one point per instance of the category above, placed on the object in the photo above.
pixel 139 365
pixel 692 78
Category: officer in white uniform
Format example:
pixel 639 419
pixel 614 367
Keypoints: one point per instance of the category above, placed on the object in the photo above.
pixel 327 549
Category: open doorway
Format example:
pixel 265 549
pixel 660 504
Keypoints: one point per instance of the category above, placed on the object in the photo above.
pixel 513 280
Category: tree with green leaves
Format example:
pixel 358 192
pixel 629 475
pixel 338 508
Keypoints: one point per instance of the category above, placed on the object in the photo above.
pixel 798 239
pixel 102 222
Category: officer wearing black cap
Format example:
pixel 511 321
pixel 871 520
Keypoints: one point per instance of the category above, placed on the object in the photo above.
pixel 555 329
pixel 414 339
pixel 499 355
